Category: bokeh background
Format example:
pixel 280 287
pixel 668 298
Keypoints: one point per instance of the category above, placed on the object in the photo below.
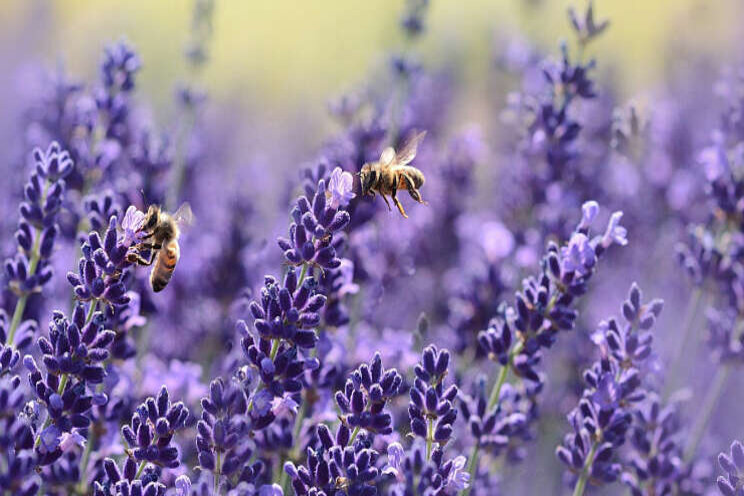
pixel 271 72
pixel 286 60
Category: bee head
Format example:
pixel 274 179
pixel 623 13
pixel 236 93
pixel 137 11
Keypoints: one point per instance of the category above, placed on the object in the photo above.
pixel 152 218
pixel 366 178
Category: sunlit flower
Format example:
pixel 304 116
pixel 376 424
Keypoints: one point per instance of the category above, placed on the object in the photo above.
pixel 340 188
pixel 459 478
pixel 131 224
pixel 615 232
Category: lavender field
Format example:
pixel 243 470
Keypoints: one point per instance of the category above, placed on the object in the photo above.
pixel 509 270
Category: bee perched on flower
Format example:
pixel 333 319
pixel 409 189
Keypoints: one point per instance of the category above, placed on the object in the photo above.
pixel 157 233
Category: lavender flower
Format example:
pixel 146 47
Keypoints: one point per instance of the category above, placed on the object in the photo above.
pixel 118 69
pixel 365 395
pixel 517 337
pixel 288 312
pixel 99 276
pixel 311 233
pixel 413 473
pixel 72 357
pixel 151 431
pixel 431 410
pixel 655 465
pixel 733 465
pixel 279 369
pixel 30 269
pixel 127 481
pixel 291 400
pixel 100 208
pixel 220 440
pixel 17 423
pixel 340 190
pixel 336 467
pixel 586 28
pixel 603 416
pixel 412 21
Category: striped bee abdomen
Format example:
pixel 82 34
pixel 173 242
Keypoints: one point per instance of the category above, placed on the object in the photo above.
pixel 416 176
pixel 165 264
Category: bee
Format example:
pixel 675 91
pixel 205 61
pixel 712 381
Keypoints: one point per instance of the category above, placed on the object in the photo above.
pixel 161 231
pixel 392 173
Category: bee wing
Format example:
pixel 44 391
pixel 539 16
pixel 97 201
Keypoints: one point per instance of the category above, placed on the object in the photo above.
pixel 388 155
pixel 408 152
pixel 184 217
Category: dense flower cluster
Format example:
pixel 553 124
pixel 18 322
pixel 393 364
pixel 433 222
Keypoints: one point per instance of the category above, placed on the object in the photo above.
pixel 614 385
pixel 431 410
pixel 363 400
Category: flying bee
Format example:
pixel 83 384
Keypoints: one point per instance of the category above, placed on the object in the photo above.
pixel 160 237
pixel 392 173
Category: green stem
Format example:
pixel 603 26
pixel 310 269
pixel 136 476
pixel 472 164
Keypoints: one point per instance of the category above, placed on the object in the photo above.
pixel 584 477
pixel 144 462
pixel 17 316
pixel 354 435
pixel 33 264
pixel 91 311
pixel 217 470
pixel 83 484
pixel 693 306
pixel 261 385
pixel 303 273
pixel 496 391
pixel 139 470
pixel 473 466
pixel 23 299
pixel 48 421
pixel 707 409
pixel 429 438
pixel 274 349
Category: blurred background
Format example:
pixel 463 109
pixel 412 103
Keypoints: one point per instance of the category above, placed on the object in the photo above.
pixel 285 60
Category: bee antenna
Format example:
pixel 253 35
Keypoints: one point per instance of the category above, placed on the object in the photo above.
pixel 144 199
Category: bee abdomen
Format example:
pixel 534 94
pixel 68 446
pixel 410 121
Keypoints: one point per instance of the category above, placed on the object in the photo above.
pixel 416 176
pixel 164 266
pixel 160 281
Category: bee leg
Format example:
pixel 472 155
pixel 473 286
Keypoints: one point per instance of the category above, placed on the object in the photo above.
pixel 415 194
pixel 150 246
pixel 386 202
pixel 139 260
pixel 394 196
pixel 400 207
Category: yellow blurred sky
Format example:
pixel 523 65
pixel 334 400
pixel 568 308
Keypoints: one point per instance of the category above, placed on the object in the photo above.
pixel 290 52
